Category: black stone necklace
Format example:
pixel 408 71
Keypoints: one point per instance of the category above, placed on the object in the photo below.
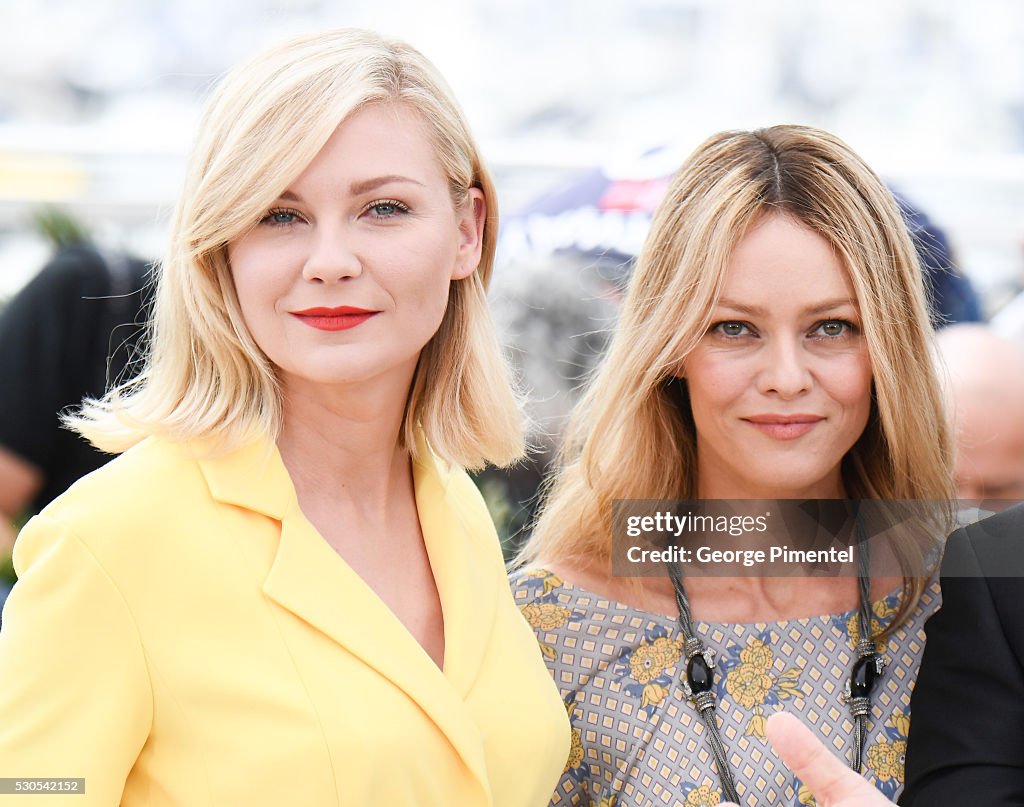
pixel 698 679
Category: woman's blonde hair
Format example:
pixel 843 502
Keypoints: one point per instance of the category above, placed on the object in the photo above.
pixel 633 436
pixel 204 376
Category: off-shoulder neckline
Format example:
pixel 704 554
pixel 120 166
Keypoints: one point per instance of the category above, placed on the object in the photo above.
pixel 580 592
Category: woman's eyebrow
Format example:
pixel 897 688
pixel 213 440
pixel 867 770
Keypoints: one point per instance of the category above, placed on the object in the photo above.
pixel 366 185
pixel 360 187
pixel 742 308
pixel 760 311
pixel 831 305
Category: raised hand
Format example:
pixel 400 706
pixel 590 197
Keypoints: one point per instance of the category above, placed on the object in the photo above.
pixel 832 783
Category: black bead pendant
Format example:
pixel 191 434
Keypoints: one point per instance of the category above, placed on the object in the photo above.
pixel 863 676
pixel 699 675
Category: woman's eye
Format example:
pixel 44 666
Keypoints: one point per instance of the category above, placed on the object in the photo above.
pixel 386 209
pixel 280 218
pixel 731 329
pixel 835 327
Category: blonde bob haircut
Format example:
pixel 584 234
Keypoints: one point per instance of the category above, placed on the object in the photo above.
pixel 204 377
pixel 633 435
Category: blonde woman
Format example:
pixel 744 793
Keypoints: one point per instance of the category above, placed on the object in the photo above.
pixel 285 590
pixel 774 344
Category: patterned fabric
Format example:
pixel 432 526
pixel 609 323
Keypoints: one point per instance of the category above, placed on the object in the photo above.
pixel 637 740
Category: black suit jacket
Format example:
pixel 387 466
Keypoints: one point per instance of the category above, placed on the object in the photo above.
pixel 966 744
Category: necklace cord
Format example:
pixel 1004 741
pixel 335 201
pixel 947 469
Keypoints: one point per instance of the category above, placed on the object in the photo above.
pixel 860 705
pixel 701 692
pixel 704 700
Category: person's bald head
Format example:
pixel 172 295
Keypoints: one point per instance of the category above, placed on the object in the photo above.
pixel 985 375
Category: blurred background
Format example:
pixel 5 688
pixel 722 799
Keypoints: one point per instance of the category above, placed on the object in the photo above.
pixel 582 108
pixel 98 101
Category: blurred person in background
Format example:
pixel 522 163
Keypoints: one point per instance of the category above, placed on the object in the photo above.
pixel 985 387
pixel 286 590
pixel 67 335
pixel 952 298
pixel 556 313
pixel 754 358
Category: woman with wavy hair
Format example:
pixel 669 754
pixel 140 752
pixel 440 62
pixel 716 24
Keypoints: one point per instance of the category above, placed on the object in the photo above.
pixel 286 590
pixel 774 344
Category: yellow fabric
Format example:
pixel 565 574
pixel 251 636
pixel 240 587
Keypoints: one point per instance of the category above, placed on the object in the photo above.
pixel 182 635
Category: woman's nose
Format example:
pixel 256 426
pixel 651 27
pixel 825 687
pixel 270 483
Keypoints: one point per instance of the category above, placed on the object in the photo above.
pixel 332 257
pixel 785 369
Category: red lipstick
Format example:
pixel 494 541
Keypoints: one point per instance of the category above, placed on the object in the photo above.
pixel 333 319
pixel 784 427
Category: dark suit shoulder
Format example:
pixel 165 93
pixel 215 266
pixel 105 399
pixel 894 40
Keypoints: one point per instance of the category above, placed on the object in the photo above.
pixel 991 548
pixel 966 743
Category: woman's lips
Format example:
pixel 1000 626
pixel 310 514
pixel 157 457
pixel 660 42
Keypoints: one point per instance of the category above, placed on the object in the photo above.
pixel 784 427
pixel 334 319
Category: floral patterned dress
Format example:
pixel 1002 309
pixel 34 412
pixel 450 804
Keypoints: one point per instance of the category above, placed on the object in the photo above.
pixel 637 740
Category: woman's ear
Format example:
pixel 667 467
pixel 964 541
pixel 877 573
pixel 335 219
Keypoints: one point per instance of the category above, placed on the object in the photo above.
pixel 472 220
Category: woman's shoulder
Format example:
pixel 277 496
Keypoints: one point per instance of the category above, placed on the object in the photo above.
pixel 144 475
pixel 148 488
pixel 587 595
pixel 530 583
pixel 548 604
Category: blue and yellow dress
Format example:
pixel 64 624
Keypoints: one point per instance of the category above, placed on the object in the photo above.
pixel 636 738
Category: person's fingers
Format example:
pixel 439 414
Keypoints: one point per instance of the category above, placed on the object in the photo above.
pixel 804 754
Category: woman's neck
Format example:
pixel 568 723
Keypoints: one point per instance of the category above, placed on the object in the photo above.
pixel 830 487
pixel 344 445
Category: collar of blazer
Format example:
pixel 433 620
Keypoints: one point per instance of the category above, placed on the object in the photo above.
pixel 309 579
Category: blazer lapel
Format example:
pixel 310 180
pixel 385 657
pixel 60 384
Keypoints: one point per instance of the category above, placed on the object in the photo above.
pixel 309 579
pixel 462 563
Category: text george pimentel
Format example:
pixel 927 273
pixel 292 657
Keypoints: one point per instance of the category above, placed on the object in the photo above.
pixel 746 557
pixel 670 524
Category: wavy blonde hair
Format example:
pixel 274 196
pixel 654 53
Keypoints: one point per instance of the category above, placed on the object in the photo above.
pixel 633 436
pixel 204 376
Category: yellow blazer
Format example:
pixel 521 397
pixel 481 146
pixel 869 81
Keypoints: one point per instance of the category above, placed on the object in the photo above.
pixel 182 635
